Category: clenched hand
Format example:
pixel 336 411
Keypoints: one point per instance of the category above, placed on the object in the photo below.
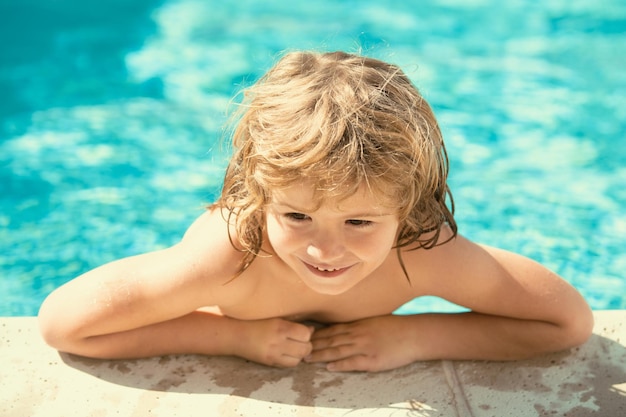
pixel 274 342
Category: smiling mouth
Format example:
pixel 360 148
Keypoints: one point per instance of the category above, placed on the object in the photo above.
pixel 326 272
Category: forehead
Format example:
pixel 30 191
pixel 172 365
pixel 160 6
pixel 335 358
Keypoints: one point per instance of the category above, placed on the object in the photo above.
pixel 305 198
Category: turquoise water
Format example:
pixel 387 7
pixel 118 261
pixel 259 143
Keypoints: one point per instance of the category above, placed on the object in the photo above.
pixel 111 114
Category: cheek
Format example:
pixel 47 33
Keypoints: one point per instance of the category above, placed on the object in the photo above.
pixel 376 246
pixel 279 235
pixel 388 240
pixel 273 230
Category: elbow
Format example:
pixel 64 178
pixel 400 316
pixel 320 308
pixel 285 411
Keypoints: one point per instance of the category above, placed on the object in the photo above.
pixel 64 330
pixel 48 325
pixel 578 329
pixel 52 337
pixel 55 329
pixel 584 328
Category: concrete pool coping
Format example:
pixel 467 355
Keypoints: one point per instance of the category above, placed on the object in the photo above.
pixel 36 380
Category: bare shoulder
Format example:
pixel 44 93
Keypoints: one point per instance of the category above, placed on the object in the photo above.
pixel 494 281
pixel 207 248
pixel 150 287
pixel 459 256
pixel 193 270
pixel 209 236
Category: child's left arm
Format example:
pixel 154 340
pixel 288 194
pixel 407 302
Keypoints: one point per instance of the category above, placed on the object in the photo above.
pixel 519 309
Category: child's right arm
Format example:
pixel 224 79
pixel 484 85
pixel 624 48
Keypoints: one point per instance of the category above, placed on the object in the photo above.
pixel 147 305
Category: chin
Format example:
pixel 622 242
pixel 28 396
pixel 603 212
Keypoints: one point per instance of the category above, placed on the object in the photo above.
pixel 330 291
pixel 329 288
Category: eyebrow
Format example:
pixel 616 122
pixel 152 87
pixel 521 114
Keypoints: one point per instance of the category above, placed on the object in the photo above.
pixel 351 215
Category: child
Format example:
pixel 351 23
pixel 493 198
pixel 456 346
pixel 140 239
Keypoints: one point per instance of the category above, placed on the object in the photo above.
pixel 333 211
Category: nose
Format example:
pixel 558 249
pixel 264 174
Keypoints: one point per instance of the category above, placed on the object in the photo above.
pixel 326 246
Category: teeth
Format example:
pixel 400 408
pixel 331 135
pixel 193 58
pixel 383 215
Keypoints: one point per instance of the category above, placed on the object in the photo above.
pixel 326 270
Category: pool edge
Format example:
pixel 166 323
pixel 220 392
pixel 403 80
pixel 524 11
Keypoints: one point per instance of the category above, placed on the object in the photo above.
pixel 38 381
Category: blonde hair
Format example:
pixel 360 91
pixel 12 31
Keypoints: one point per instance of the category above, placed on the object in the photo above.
pixel 337 121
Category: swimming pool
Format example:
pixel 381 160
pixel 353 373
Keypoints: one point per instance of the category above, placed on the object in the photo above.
pixel 111 116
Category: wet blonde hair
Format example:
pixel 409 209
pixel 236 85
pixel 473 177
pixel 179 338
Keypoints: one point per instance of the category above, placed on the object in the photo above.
pixel 339 122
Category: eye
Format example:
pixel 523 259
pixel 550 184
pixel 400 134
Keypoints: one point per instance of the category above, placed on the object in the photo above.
pixel 359 223
pixel 297 217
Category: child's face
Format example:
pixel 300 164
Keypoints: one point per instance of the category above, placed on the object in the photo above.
pixel 336 246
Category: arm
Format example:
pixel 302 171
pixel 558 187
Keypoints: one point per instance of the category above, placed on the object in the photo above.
pixel 519 310
pixel 131 306
pixel 139 306
pixel 150 305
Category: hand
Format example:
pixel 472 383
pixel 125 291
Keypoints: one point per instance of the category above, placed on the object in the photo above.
pixel 274 342
pixel 373 344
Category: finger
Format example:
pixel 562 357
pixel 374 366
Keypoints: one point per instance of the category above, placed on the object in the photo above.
pixel 352 363
pixel 332 341
pixel 290 354
pixel 330 331
pixel 298 350
pixel 286 361
pixel 298 332
pixel 331 354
